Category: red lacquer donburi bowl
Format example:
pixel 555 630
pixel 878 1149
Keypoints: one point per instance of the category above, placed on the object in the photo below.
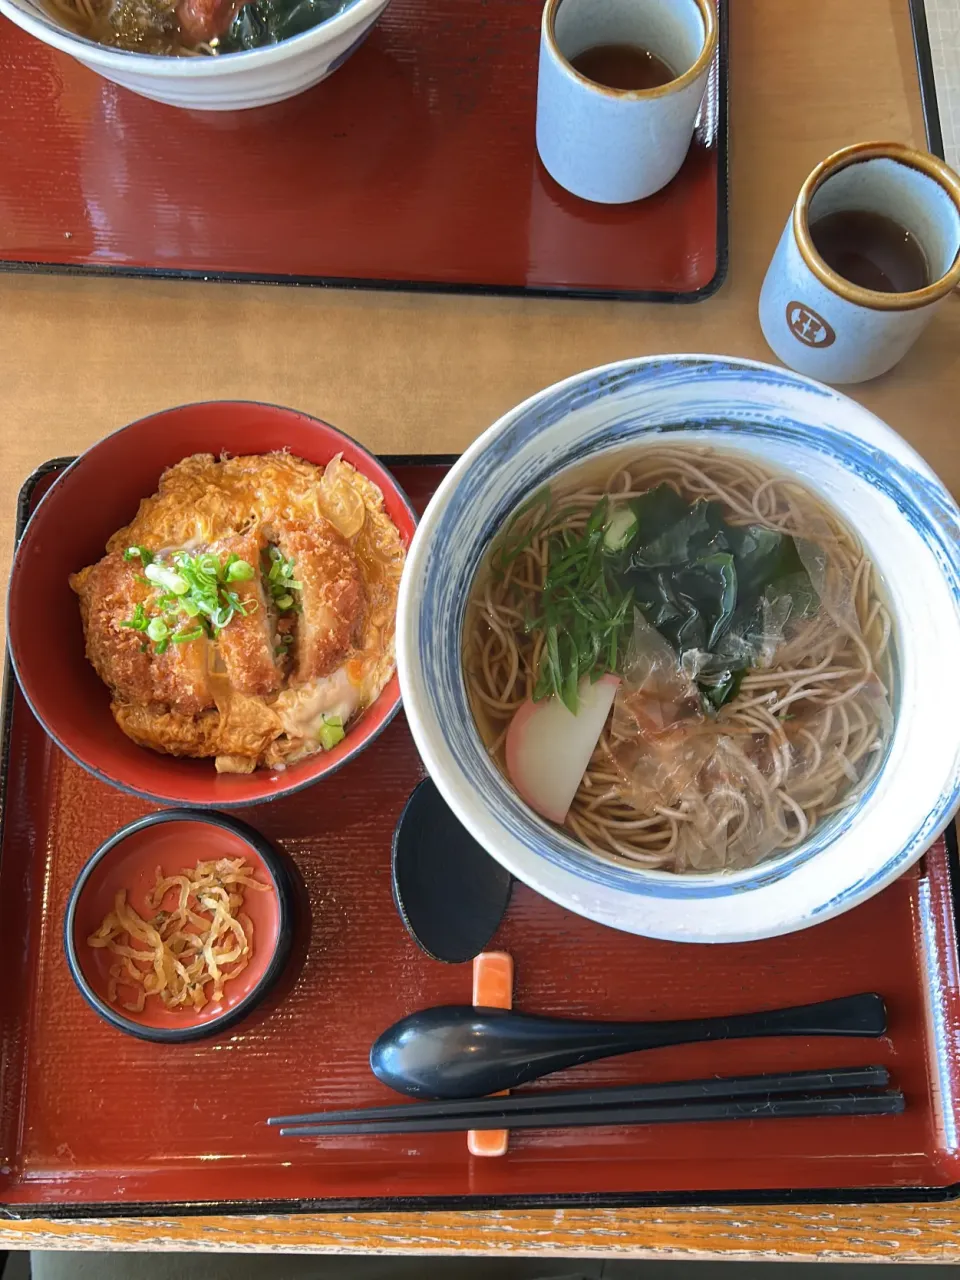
pixel 95 496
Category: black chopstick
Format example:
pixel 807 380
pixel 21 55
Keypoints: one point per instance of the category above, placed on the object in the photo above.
pixel 822 1081
pixel 798 1106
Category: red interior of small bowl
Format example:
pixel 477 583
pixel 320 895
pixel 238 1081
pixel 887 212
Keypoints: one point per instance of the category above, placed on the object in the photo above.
pixel 132 865
pixel 99 494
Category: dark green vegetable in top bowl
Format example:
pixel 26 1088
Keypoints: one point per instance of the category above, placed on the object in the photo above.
pixel 720 594
pixel 269 21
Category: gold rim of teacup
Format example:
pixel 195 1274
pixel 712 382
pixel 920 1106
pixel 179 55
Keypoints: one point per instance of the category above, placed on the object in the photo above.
pixel 704 58
pixel 933 167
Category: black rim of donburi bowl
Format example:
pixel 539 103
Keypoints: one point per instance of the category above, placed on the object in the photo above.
pixel 281 881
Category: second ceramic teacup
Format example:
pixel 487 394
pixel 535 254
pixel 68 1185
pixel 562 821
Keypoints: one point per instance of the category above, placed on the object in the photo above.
pixel 609 144
pixel 827 308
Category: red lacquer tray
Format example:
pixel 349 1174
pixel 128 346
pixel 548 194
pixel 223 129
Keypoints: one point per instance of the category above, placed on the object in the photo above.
pixel 414 166
pixel 94 1123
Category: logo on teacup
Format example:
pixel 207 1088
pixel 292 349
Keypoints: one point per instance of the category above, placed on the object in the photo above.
pixel 808 327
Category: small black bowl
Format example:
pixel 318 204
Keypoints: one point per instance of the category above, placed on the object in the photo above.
pixel 173 839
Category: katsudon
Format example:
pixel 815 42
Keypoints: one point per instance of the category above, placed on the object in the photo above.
pixel 247 612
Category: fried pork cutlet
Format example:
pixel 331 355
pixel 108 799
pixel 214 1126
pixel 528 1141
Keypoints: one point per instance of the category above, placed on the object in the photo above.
pixel 267 652
pixel 243 730
pixel 331 595
pixel 109 592
pixel 246 647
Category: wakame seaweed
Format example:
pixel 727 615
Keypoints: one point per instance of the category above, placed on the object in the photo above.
pixel 713 590
pixel 270 21
pixel 718 593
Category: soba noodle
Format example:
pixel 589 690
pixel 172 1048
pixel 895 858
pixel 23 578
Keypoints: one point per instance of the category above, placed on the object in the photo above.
pixel 713 790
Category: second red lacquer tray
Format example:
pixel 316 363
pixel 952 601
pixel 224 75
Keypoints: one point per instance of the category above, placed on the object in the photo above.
pixel 413 167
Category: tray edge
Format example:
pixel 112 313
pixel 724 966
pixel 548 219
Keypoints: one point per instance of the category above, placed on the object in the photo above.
pixel 928 84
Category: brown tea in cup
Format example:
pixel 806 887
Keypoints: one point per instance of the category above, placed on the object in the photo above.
pixel 622 66
pixel 871 250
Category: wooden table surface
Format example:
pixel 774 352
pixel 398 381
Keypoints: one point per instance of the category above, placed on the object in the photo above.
pixel 406 373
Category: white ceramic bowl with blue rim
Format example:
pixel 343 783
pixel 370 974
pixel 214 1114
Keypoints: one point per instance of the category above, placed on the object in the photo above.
pixel 233 82
pixel 910 527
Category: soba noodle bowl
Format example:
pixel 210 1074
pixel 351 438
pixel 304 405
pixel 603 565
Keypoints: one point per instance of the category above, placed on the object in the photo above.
pixel 184 28
pixel 744 623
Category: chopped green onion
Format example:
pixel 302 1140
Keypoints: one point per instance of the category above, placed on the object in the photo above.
pixel 331 732
pixel 195 587
pixel 620 529
pixel 139 620
pixel 584 605
pixel 278 576
pixel 239 571
pixel 208 565
pixel 157 630
pixel 138 553
pixel 163 577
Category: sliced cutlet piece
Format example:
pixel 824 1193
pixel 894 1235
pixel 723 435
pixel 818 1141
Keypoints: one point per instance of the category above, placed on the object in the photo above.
pixel 124 659
pixel 181 676
pixel 332 597
pixel 245 644
pixel 109 593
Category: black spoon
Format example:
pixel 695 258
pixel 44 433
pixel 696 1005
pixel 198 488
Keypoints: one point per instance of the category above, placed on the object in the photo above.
pixel 449 892
pixel 457 1051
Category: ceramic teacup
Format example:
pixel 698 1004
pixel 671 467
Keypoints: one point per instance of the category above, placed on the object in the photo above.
pixel 815 319
pixel 617 145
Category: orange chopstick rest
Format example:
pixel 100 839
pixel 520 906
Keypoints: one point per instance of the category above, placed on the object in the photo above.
pixel 492 989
